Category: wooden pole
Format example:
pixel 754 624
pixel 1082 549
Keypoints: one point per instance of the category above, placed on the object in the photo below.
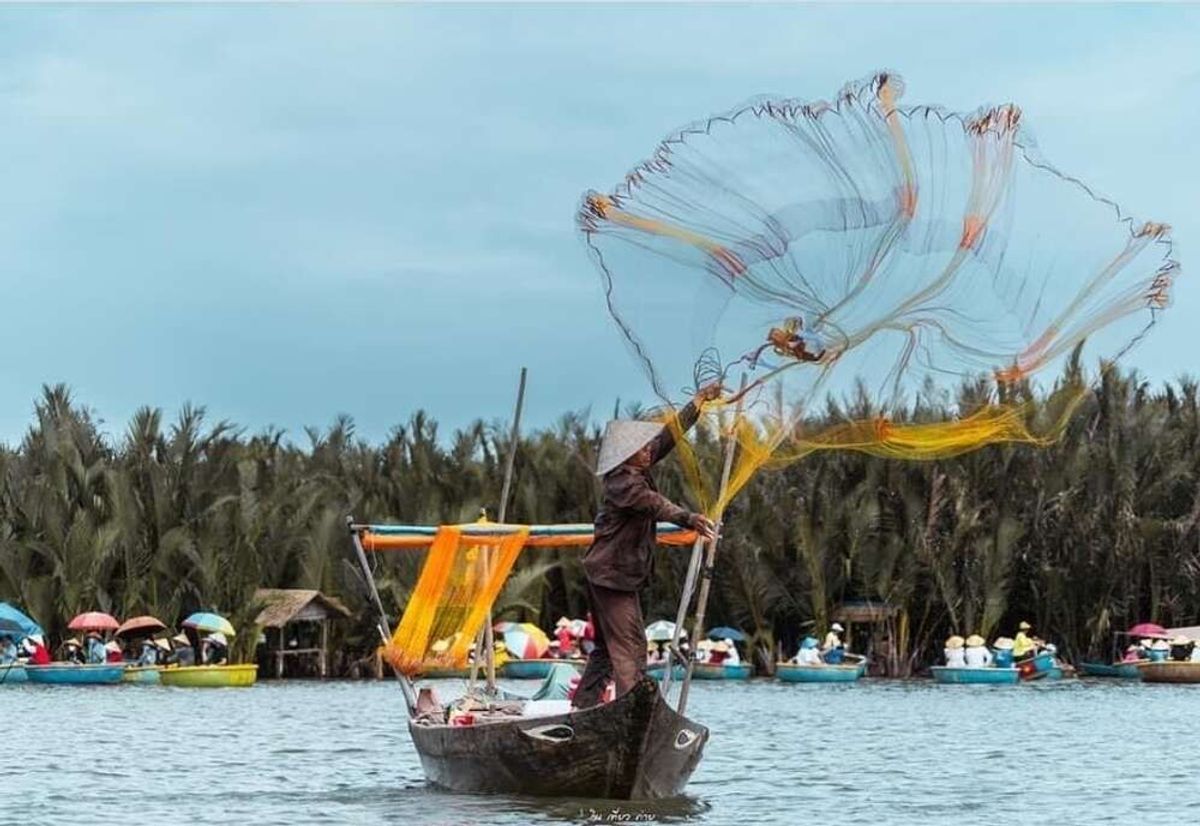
pixel 489 635
pixel 383 626
pixel 711 556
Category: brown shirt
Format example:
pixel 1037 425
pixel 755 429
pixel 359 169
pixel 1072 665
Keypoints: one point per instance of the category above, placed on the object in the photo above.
pixel 621 556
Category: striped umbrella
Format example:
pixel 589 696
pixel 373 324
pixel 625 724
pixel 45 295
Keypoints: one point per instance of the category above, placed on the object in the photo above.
pixel 526 641
pixel 212 623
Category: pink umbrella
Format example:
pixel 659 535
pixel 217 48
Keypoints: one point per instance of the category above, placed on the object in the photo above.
pixel 1147 629
pixel 94 621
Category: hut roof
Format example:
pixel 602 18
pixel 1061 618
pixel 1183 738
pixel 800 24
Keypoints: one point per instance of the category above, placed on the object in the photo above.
pixel 284 605
pixel 864 611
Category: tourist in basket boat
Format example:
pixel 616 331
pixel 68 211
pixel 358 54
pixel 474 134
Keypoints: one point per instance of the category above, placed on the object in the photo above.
pixel 1024 646
pixel 94 647
pixel 808 653
pixel 976 653
pixel 8 651
pixel 1181 649
pixel 619 562
pixel 954 653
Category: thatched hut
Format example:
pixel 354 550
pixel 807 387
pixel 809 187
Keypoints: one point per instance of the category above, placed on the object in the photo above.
pixel 296 624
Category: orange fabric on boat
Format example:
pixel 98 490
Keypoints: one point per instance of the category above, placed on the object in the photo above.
pixel 458 584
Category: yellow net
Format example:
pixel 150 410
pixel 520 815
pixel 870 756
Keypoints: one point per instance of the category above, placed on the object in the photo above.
pixel 459 582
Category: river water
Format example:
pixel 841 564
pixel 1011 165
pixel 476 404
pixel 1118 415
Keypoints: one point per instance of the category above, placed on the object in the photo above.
pixel 877 752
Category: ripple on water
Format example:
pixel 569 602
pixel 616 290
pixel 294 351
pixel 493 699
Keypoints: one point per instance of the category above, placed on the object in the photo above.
pixel 891 753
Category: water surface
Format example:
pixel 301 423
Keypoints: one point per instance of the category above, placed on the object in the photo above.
pixel 875 752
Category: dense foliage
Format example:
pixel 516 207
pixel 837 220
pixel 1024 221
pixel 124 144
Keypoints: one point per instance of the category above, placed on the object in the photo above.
pixel 1082 538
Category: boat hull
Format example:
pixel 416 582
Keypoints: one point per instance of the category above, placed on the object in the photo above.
pixel 633 748
pixel 1170 672
pixel 975 676
pixel 659 671
pixel 210 676
pixel 72 674
pixel 1123 671
pixel 526 669
pixel 795 673
pixel 708 671
pixel 12 674
pixel 142 674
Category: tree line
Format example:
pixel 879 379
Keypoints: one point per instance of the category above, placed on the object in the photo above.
pixel 1082 538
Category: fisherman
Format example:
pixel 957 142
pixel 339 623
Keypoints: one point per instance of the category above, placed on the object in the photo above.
pixel 976 653
pixel 620 560
pixel 1024 646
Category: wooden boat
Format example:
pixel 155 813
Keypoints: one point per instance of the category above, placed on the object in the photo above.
pixel 708 671
pixel 13 674
pixel 74 674
pixel 142 674
pixel 210 676
pixel 1170 671
pixel 659 670
pixel 1122 670
pixel 789 672
pixel 987 675
pixel 634 748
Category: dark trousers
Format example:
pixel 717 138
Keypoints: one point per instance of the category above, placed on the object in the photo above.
pixel 620 650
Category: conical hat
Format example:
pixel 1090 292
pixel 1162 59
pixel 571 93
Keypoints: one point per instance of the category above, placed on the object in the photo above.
pixel 955 642
pixel 622 439
pixel 974 640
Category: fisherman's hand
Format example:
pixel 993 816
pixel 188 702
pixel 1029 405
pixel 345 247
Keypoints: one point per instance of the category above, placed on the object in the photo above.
pixel 708 392
pixel 704 526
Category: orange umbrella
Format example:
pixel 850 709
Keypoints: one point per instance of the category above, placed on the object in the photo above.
pixel 145 623
pixel 93 621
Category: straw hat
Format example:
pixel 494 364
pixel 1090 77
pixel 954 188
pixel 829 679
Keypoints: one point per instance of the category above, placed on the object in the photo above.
pixel 38 638
pixel 1160 645
pixel 837 627
pixel 622 439
pixel 1003 644
pixel 975 640
pixel 1180 640
pixel 164 644
pixel 113 647
pixel 1024 626
pixel 181 639
pixel 723 645
pixel 73 642
pixel 563 622
pixel 706 644
pixel 955 642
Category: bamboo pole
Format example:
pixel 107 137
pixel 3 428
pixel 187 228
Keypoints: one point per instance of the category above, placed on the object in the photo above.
pixel 711 556
pixel 489 635
pixel 383 626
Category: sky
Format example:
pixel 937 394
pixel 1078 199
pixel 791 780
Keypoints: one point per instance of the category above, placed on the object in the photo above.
pixel 285 213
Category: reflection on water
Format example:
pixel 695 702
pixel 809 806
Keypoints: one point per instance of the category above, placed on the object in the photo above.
pixel 876 752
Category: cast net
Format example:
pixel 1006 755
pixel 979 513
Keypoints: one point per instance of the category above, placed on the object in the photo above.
pixel 903 251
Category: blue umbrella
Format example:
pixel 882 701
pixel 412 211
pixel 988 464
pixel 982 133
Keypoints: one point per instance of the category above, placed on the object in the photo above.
pixel 15 624
pixel 724 632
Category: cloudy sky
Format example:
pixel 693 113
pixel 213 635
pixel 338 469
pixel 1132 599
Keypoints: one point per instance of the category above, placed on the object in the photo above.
pixel 289 212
